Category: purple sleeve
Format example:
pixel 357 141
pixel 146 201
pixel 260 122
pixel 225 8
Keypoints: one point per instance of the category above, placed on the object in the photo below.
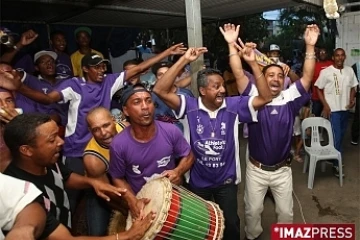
pixel 181 146
pixel 244 108
pixel 68 89
pixel 117 164
pixel 247 89
pixel 301 99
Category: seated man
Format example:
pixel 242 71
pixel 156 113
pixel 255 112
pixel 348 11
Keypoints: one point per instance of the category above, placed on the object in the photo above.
pixel 96 162
pixel 151 148
pixel 16 205
pixel 35 146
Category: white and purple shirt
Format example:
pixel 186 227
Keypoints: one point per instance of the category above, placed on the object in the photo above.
pixel 41 85
pixel 137 162
pixel 213 137
pixel 270 139
pixel 83 96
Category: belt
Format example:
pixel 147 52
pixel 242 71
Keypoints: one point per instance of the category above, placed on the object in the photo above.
pixel 286 162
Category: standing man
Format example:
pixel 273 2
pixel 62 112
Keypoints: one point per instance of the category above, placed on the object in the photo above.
pixel 339 85
pixel 213 127
pixel 83 39
pixel 266 170
pixel 35 147
pixel 321 64
pixel 355 128
pixel 96 159
pixel 145 148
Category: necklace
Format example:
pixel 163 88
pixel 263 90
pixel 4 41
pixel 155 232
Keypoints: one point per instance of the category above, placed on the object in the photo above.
pixel 213 128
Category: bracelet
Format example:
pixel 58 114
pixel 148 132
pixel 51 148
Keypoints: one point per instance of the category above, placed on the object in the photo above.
pixel 232 54
pixel 310 57
pixel 260 76
pixel 310 54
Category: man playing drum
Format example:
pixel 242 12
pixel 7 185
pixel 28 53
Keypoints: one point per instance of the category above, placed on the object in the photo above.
pixel 145 148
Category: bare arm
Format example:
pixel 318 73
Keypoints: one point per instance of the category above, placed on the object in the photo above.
pixel 163 86
pixel 26 38
pixel 293 76
pixel 231 33
pixel 183 83
pixel 173 50
pixel 136 232
pixel 40 97
pixel 28 228
pixel 175 175
pixel 94 166
pixel 311 35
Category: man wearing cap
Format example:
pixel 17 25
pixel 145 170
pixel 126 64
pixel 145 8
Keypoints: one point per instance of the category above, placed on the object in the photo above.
pixel 133 163
pixel 83 38
pixel 82 94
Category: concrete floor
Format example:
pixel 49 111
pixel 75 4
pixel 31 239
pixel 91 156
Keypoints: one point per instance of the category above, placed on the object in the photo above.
pixel 327 202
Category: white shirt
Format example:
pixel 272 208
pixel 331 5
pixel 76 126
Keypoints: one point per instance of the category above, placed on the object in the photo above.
pixel 337 85
pixel 15 195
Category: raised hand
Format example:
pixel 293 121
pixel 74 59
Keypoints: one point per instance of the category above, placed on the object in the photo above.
pixel 311 34
pixel 246 51
pixel 177 49
pixel 230 32
pixel 10 80
pixel 28 37
pixel 194 53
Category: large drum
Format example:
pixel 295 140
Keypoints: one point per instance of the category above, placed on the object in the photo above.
pixel 180 214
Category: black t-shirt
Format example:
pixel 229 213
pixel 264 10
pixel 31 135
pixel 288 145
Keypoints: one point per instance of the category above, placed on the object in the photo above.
pixel 54 198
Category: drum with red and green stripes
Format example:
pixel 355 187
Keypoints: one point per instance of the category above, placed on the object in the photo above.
pixel 180 214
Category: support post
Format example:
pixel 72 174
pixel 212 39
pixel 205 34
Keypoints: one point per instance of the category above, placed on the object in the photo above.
pixel 194 32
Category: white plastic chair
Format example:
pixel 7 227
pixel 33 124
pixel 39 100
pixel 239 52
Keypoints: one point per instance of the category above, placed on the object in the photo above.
pixel 315 151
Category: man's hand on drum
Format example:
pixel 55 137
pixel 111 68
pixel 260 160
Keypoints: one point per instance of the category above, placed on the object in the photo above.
pixel 173 176
pixel 137 208
pixel 101 188
pixel 140 226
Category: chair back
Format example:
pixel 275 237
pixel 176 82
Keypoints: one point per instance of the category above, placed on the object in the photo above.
pixel 314 123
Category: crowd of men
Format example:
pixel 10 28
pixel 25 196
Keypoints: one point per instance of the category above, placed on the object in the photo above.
pixel 60 140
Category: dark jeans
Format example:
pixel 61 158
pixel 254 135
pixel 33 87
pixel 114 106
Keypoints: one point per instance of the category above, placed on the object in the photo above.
pixel 355 128
pixel 226 197
pixel 76 165
pixel 316 108
pixel 97 214
pixel 339 121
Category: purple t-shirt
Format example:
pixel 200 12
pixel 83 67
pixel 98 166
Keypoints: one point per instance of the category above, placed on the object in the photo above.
pixel 64 69
pixel 137 161
pixel 41 85
pixel 213 137
pixel 82 97
pixel 270 139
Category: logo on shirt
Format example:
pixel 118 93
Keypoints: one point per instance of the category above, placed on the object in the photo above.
pixel 210 152
pixel 199 129
pixel 274 112
pixel 163 162
pixel 45 90
pixel 135 169
pixel 223 128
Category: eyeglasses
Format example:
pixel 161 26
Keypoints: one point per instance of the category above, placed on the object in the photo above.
pixel 100 67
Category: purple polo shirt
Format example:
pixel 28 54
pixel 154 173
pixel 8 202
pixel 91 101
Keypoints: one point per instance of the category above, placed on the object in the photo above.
pixel 82 97
pixel 270 139
pixel 213 137
pixel 41 85
pixel 136 161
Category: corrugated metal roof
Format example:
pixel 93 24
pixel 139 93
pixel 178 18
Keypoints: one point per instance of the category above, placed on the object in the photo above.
pixel 130 13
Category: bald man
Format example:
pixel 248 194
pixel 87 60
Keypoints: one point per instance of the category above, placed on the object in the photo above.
pixel 103 127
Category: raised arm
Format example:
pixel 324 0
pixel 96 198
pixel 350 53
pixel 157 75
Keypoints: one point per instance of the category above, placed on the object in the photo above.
pixel 231 33
pixel 26 38
pixel 173 50
pixel 163 86
pixel 310 36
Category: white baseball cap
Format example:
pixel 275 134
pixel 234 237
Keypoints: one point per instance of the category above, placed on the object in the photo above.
pixel 43 53
pixel 274 47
